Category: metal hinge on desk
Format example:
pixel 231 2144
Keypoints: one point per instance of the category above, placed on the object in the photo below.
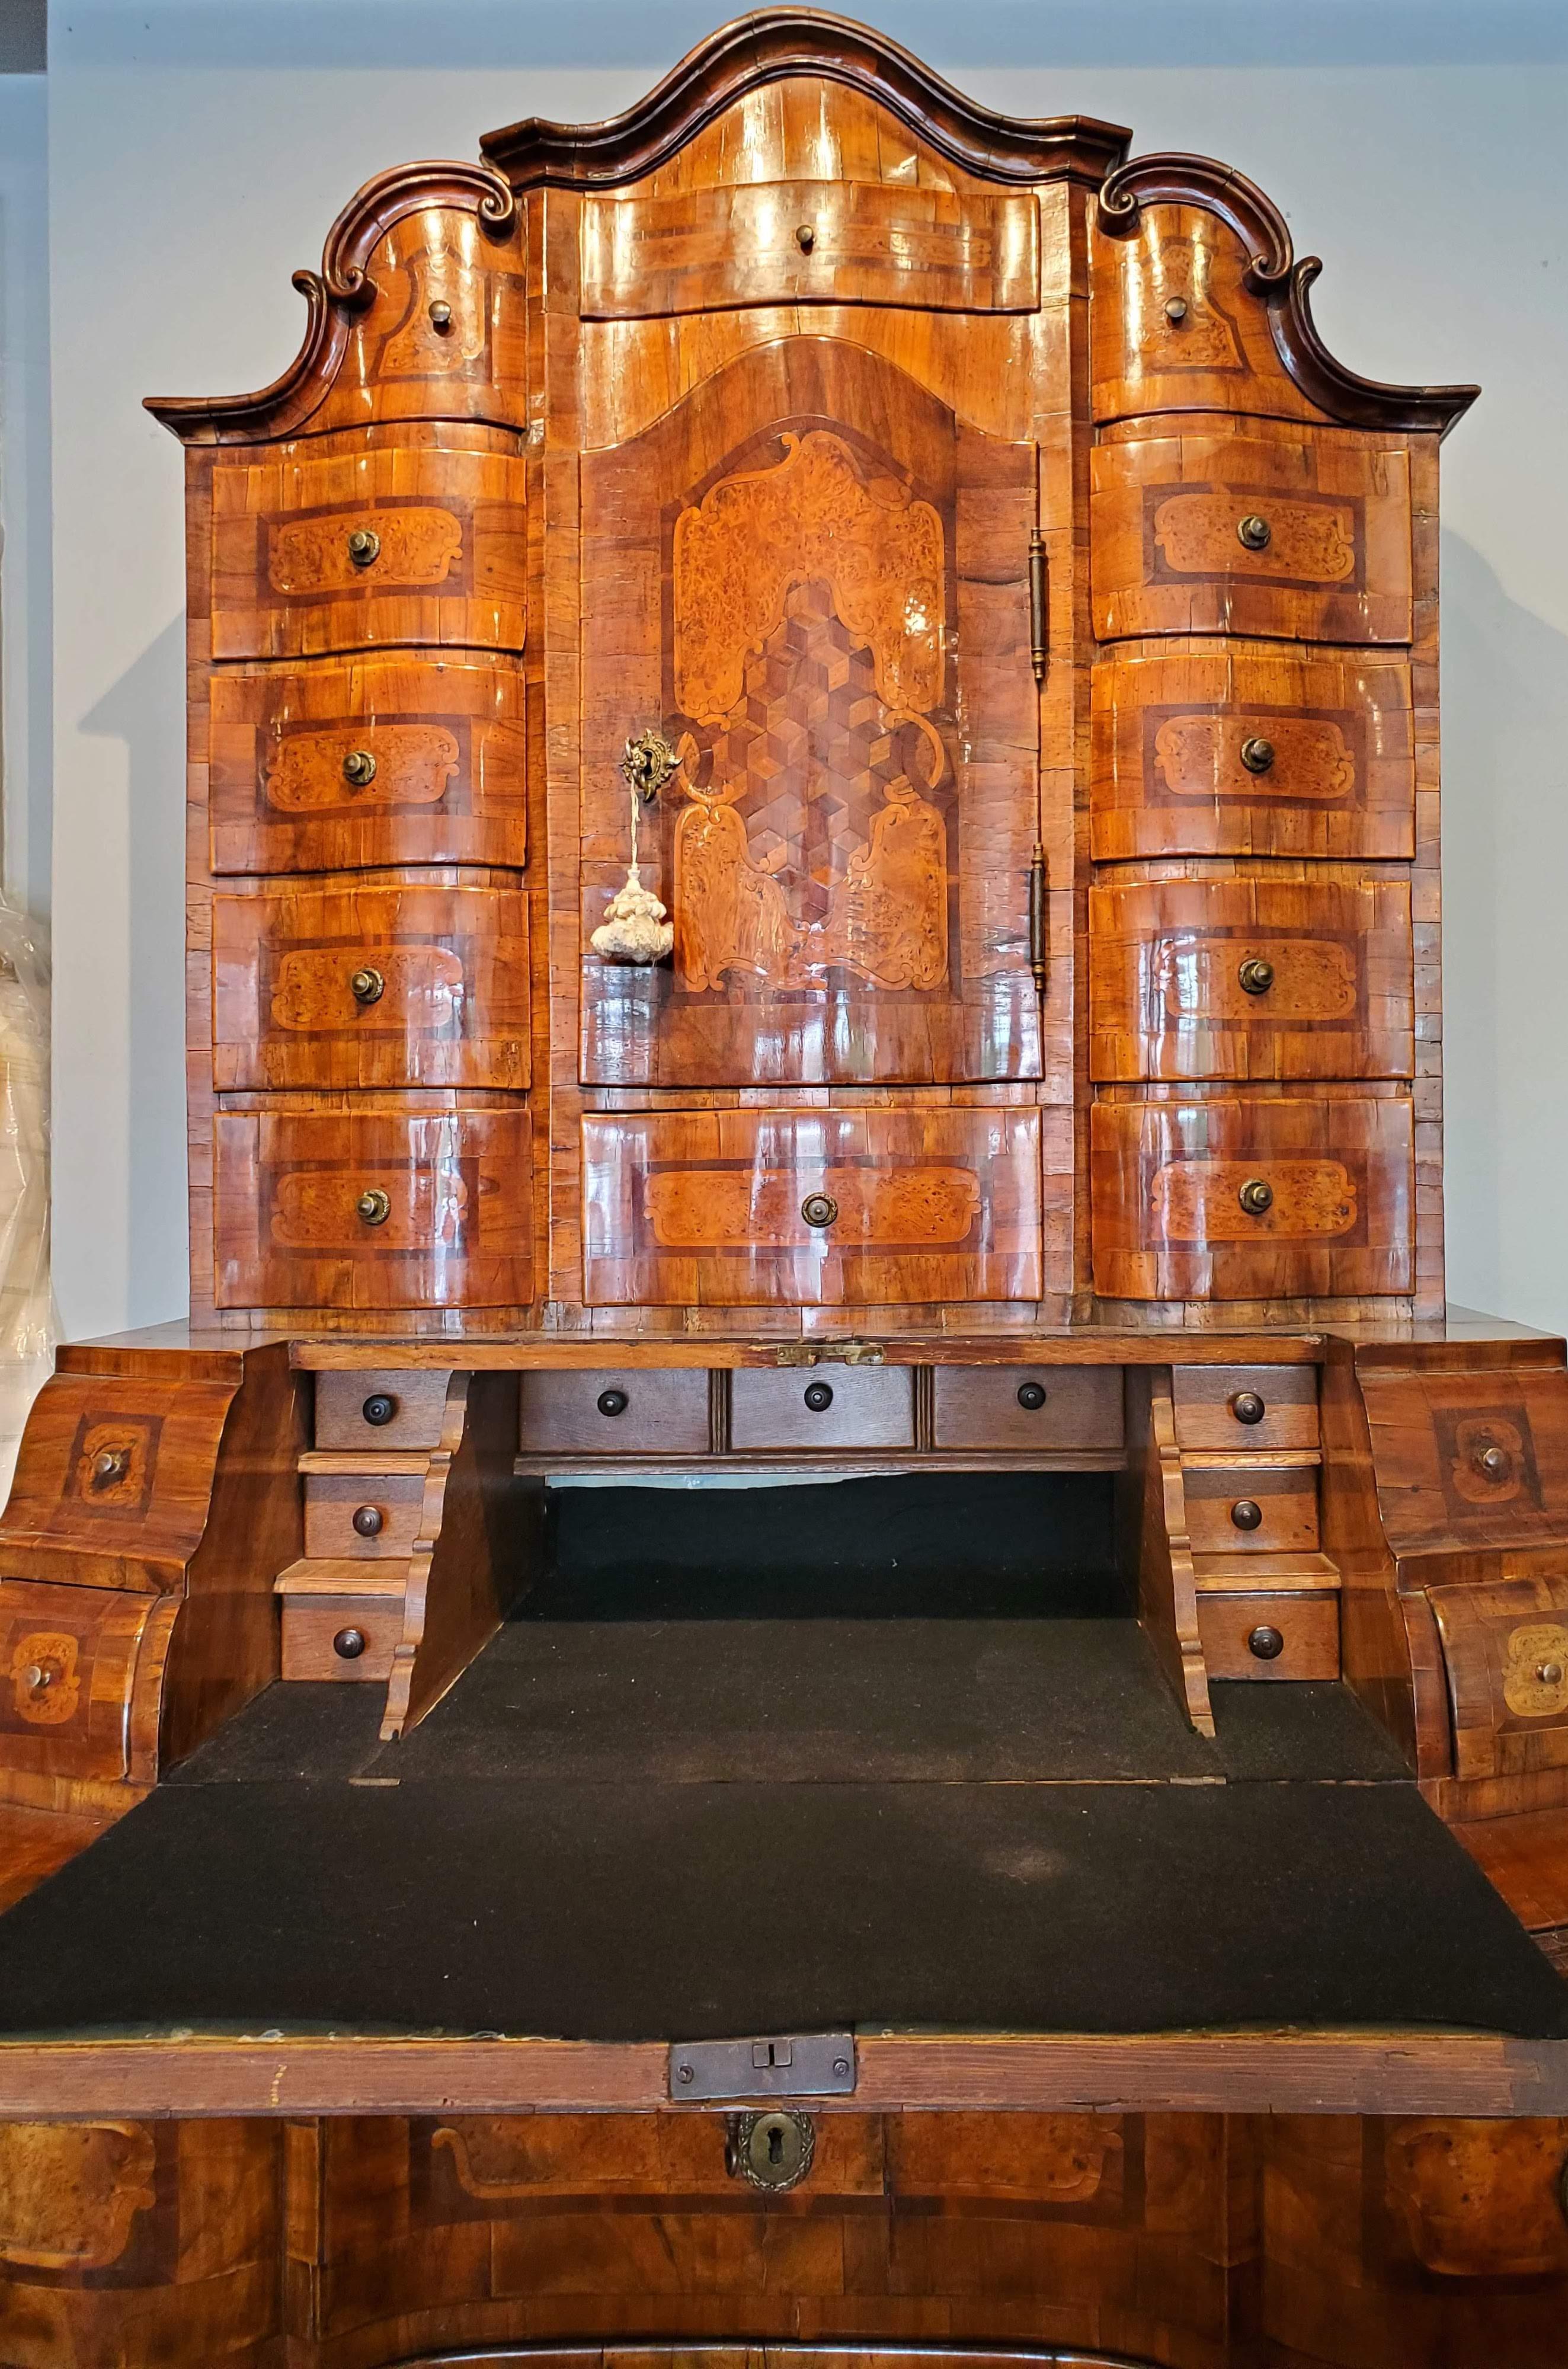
pixel 803 2064
pixel 832 1352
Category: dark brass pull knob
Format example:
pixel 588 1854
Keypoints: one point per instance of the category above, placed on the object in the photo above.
pixel 1549 1674
pixel 364 547
pixel 1257 754
pixel 110 1464
pixel 806 239
pixel 1247 1513
pixel 440 317
pixel 1252 531
pixel 1255 1196
pixel 1266 1643
pixel 1256 976
pixel 1495 1463
pixel 379 1408
pixel 1175 310
pixel 374 1206
pixel 348 1644
pixel 612 1402
pixel 39 1676
pixel 359 767
pixel 818 1397
pixel 368 1521
pixel 1247 1407
pixel 367 985
pixel 1031 1396
pixel 819 1208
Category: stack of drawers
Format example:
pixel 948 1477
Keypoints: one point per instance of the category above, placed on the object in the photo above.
pixel 1252 963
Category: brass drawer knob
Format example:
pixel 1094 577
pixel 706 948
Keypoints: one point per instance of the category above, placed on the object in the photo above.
pixel 379 1408
pixel 1493 1463
pixel 1247 1513
pixel 1253 532
pixel 440 317
pixel 1175 310
pixel 820 1208
pixel 1256 976
pixel 349 1644
pixel 109 1465
pixel 367 985
pixel 1031 1397
pixel 1248 1407
pixel 1266 1642
pixel 374 1206
pixel 359 767
pixel 806 239
pixel 39 1676
pixel 612 1402
pixel 1257 754
pixel 364 546
pixel 818 1397
pixel 1256 1196
pixel 369 1521
pixel 1549 1674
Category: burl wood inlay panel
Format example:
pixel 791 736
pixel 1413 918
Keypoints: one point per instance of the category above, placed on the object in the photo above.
pixel 68 1659
pixel 711 1207
pixel 1167 515
pixel 809 242
pixel 375 760
pixel 394 986
pixel 118 1466
pixel 404 360
pixel 448 564
pixel 1505 1647
pixel 457 1230
pixel 1330 739
pixel 1169 1222
pixel 1466 1460
pixel 1252 979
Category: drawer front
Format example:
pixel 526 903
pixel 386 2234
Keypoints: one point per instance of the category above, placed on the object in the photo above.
pixel 361 1411
pixel 379 762
pixel 68 1659
pixel 1252 979
pixel 1047 1408
pixel 1283 1635
pixel 1171 517
pixel 1470 1460
pixel 370 987
pixel 809 242
pixel 369 1516
pixel 837 1407
pixel 1252 1510
pixel 1235 1408
pixel 1506 1650
pixel 404 359
pixel 446 559
pixel 614 1412
pixel 748 1208
pixel 354 1211
pixel 313 1625
pixel 1329 768
pixel 1170 1220
pixel 121 1466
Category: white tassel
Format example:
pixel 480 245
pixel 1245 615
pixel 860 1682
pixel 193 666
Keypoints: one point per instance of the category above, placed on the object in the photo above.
pixel 635 928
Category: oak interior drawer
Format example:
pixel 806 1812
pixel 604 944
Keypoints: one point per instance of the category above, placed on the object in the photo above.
pixel 341 1636
pixel 1250 1508
pixel 616 1411
pixel 1056 1408
pixel 826 1407
pixel 1245 1407
pixel 367 1410
pixel 367 1516
pixel 1270 1635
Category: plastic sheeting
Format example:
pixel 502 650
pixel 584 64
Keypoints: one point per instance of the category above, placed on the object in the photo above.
pixel 27 1314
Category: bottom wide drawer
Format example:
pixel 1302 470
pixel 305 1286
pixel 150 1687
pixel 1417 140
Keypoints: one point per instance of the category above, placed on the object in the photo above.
pixel 1278 1635
pixel 358 1209
pixel 796 1208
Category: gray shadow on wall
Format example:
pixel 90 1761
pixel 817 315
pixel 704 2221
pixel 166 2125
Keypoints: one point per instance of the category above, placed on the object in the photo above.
pixel 144 710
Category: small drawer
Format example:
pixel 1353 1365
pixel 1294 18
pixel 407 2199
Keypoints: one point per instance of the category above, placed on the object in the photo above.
pixel 1238 1408
pixel 1250 1509
pixel 340 1637
pixel 1506 1650
pixel 443 336
pixel 1282 1636
pixel 830 1407
pixel 69 1659
pixel 371 1411
pixel 645 1412
pixel 1058 1408
pixel 366 1516
pixel 1174 324
pixel 1467 1461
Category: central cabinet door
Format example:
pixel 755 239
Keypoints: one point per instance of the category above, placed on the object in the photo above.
pixel 810 578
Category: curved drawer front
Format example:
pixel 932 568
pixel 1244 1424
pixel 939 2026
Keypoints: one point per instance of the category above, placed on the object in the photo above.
pixel 370 987
pixel 417 542
pixel 68 1659
pixel 809 242
pixel 446 1196
pixel 381 761
pixel 1506 1650
pixel 1470 1460
pixel 1170 1220
pixel 1303 539
pixel 751 1208
pixel 1252 979
pixel 1222 752
pixel 443 336
pixel 118 1465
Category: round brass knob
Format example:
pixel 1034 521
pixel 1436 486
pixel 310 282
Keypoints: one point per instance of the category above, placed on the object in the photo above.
pixel 1247 1513
pixel 1256 1196
pixel 819 1208
pixel 349 1644
pixel 1253 532
pixel 1550 1672
pixel 367 985
pixel 39 1675
pixel 369 1521
pixel 612 1402
pixel 379 1408
pixel 818 1397
pixel 440 317
pixel 1257 754
pixel 1494 1463
pixel 1266 1642
pixel 1247 1407
pixel 359 767
pixel 1031 1396
pixel 364 547
pixel 374 1206
pixel 110 1464
pixel 806 239
pixel 1176 309
pixel 1256 976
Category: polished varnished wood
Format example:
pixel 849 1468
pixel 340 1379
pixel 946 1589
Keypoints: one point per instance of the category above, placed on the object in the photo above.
pixel 339 1631
pixel 1470 1459
pixel 1243 1409
pixel 386 1502
pixel 1505 1647
pixel 1152 1528
pixel 380 1410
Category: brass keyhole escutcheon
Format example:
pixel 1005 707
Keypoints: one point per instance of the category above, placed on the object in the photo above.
pixel 819 1209
pixel 367 985
pixel 1493 1463
pixel 1253 532
pixel 1257 754
pixel 1247 1513
pixel 359 767
pixel 1248 1407
pixel 647 763
pixel 1266 1643
pixel 349 1644
pixel 1256 1196
pixel 368 1521
pixel 773 2150
pixel 1175 310
pixel 364 546
pixel 440 317
pixel 1256 976
pixel 374 1206
pixel 109 1465
pixel 806 239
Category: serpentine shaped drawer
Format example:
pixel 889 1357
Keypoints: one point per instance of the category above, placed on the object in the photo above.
pixel 1506 1650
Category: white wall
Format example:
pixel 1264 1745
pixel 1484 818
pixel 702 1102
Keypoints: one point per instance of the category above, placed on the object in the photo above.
pixel 26 721
pixel 197 150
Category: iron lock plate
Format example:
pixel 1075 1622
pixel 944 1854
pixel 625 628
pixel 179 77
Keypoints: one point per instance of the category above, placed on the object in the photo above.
pixel 798 2065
